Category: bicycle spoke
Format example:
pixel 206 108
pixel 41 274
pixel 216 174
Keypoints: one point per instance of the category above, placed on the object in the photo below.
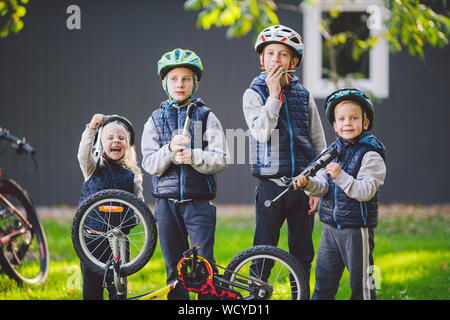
pixel 125 220
pixel 133 243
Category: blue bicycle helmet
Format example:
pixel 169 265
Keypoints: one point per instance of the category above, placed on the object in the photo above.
pixel 349 94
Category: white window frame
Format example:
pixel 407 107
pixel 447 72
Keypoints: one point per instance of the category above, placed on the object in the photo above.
pixel 378 81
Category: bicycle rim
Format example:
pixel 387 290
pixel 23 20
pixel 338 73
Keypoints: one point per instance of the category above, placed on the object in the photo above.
pixel 134 230
pixel 25 258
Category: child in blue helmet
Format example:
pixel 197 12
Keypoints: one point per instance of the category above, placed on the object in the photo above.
pixel 348 188
pixel 183 167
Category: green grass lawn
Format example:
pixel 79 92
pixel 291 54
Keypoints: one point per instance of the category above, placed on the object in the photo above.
pixel 412 253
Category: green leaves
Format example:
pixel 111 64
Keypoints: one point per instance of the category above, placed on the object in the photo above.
pixel 410 23
pixel 11 12
pixel 413 25
pixel 239 16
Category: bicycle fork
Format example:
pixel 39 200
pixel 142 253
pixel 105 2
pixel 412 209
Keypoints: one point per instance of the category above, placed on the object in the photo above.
pixel 117 241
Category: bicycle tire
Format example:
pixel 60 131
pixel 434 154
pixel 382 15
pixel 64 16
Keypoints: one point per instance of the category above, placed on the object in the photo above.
pixel 286 269
pixel 23 247
pixel 82 233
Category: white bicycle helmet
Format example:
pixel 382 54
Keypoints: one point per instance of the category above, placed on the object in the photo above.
pixel 280 34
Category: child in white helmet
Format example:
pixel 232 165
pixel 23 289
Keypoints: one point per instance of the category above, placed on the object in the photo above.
pixel 288 134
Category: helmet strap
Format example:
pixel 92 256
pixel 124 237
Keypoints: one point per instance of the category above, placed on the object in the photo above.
pixel 262 59
pixel 288 77
pixel 106 157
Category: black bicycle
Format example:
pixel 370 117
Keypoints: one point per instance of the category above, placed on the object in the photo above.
pixel 23 245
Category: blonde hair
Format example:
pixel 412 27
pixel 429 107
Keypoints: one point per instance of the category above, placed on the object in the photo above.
pixel 129 160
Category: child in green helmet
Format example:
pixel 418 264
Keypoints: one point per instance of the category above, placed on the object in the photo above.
pixel 348 188
pixel 183 166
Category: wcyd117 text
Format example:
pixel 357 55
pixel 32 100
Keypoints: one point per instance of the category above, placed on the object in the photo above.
pixel 226 309
pixel 245 309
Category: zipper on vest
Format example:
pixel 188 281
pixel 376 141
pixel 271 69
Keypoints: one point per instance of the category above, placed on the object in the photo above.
pixel 208 179
pixel 336 205
pixel 291 135
pixel 180 125
pixel 364 217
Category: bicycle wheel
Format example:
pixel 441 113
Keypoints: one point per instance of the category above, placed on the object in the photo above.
pixel 267 273
pixel 25 256
pixel 110 214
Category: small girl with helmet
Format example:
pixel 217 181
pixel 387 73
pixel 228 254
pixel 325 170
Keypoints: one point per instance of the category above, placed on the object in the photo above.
pixel 107 158
pixel 183 166
pixel 348 188
pixel 287 135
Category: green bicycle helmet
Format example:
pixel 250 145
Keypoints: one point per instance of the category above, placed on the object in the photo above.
pixel 349 94
pixel 180 58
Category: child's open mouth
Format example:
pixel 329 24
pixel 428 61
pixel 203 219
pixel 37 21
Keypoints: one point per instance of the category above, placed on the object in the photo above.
pixel 116 150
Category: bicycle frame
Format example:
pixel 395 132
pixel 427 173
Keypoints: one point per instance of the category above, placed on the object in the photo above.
pixel 160 294
pixel 20 146
pixel 213 282
pixel 15 233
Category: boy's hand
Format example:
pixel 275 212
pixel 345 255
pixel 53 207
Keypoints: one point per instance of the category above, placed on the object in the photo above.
pixel 273 81
pixel 313 205
pixel 183 157
pixel 333 169
pixel 179 143
pixel 302 181
pixel 96 121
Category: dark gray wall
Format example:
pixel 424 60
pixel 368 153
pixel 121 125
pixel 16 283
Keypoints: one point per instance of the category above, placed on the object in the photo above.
pixel 52 80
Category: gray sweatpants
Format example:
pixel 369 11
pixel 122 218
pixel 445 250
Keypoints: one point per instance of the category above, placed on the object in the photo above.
pixel 345 248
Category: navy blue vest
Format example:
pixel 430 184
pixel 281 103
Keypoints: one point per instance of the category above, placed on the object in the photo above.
pixel 182 181
pixel 110 176
pixel 336 208
pixel 294 147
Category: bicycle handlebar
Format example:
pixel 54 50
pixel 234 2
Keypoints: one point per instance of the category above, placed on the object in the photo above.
pixel 19 144
pixel 320 162
pixel 189 112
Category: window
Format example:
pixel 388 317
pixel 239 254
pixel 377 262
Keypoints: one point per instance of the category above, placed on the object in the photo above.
pixel 362 17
